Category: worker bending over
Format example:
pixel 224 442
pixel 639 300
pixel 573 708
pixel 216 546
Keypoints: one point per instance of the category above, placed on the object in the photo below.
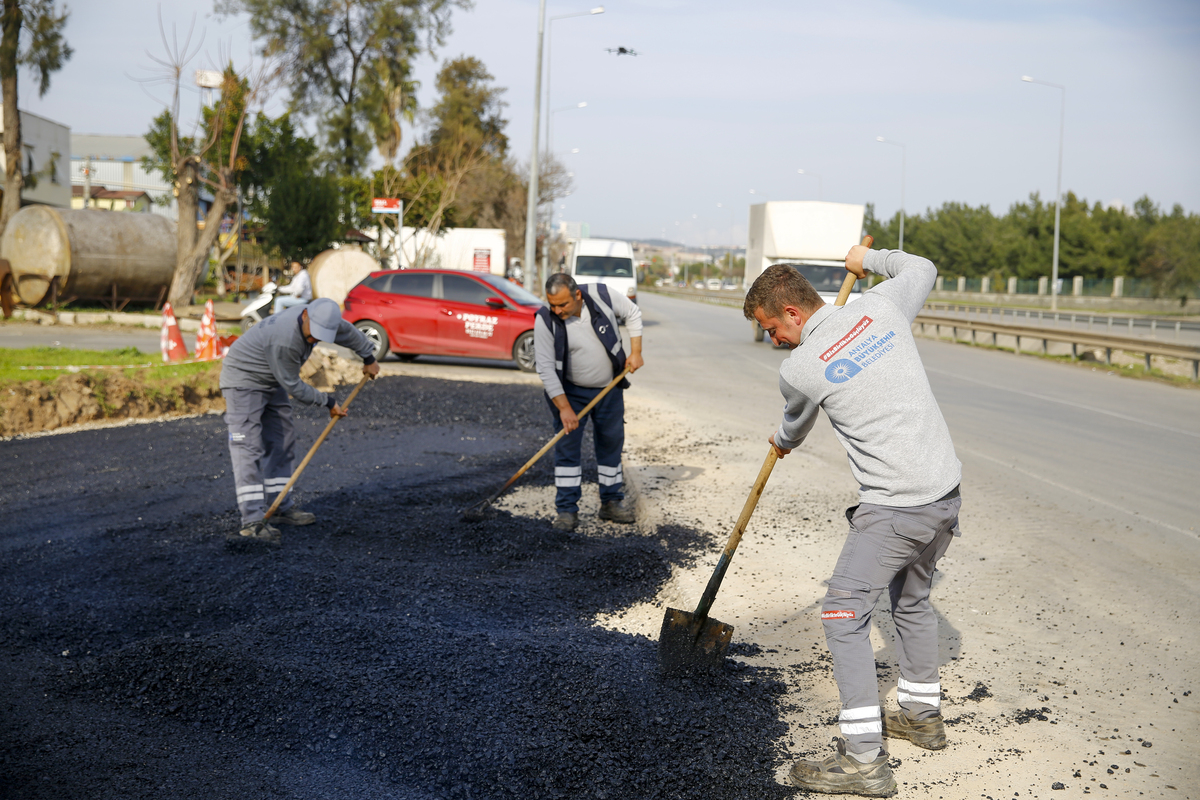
pixel 859 362
pixel 259 372
pixel 578 351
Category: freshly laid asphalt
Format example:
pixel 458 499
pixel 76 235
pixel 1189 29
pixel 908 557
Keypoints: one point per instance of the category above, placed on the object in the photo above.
pixel 388 651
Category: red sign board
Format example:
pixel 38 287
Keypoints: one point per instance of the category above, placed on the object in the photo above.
pixel 483 261
pixel 387 205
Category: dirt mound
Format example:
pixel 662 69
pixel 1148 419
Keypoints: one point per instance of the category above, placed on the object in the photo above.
pixel 326 370
pixel 35 406
pixel 388 651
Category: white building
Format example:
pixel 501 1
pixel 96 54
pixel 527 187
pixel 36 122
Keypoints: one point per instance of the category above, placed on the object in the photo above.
pixel 47 146
pixel 116 164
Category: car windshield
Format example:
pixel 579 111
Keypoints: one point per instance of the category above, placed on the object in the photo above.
pixel 604 266
pixel 824 279
pixel 515 291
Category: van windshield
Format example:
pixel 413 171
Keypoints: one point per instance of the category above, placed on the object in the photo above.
pixel 604 266
pixel 824 279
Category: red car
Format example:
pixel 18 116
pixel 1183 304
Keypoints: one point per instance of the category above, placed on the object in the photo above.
pixel 413 312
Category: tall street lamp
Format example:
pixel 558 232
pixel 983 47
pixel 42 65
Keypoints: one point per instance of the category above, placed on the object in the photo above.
pixel 815 175
pixel 1062 120
pixel 903 159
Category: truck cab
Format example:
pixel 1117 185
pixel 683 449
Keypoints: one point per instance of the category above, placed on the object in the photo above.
pixel 607 261
pixel 812 236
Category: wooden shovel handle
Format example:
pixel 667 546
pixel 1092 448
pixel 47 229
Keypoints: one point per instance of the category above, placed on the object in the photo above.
pixel 848 284
pixel 312 451
pixel 546 447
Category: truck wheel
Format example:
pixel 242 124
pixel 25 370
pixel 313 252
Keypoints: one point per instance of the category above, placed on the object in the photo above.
pixel 523 352
pixel 759 333
pixel 376 334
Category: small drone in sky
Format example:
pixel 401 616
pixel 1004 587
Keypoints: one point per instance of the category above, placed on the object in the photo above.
pixel 622 51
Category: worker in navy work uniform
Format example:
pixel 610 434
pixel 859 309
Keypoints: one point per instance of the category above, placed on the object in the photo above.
pixel 578 351
pixel 859 363
pixel 259 372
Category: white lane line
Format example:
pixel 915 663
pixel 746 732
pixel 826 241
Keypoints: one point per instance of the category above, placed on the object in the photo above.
pixel 1047 398
pixel 1084 495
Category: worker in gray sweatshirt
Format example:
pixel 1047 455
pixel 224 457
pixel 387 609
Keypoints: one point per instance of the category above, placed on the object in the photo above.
pixel 259 372
pixel 860 364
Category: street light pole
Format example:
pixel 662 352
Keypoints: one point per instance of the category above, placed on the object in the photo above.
pixel 531 202
pixel 903 166
pixel 1062 122
pixel 815 175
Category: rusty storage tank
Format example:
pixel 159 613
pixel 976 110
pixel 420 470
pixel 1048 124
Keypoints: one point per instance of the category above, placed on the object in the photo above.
pixel 93 254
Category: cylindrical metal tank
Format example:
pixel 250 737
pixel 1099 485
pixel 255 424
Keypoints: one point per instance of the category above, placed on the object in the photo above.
pixel 335 272
pixel 90 252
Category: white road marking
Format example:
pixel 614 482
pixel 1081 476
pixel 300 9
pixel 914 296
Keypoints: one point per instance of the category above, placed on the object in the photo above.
pixel 1125 417
pixel 1090 497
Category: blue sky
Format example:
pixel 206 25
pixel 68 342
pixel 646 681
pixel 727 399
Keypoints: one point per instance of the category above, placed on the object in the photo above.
pixel 724 98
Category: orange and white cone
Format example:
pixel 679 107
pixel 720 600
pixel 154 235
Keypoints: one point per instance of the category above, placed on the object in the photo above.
pixel 206 339
pixel 173 348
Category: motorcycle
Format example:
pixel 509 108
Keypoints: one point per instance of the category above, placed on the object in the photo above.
pixel 259 308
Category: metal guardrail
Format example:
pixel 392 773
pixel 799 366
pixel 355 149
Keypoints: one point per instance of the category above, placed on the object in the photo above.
pixel 722 297
pixel 1111 322
pixel 1076 339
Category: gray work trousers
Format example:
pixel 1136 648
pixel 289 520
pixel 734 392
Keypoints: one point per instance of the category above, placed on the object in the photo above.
pixel 261 444
pixel 895 549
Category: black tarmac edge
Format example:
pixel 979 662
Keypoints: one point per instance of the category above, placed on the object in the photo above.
pixel 388 651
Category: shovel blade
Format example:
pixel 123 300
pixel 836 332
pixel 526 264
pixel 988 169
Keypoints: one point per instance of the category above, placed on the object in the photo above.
pixel 688 643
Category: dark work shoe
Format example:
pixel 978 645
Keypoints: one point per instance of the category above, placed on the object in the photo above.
pixel 615 512
pixel 255 533
pixel 843 774
pixel 565 521
pixel 294 516
pixel 929 733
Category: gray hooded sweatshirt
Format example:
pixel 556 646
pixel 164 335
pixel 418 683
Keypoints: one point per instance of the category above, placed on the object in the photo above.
pixel 859 362
pixel 271 354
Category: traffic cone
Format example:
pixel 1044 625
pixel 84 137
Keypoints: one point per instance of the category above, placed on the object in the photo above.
pixel 173 348
pixel 206 339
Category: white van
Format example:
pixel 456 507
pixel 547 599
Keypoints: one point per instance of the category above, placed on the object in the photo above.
pixel 607 261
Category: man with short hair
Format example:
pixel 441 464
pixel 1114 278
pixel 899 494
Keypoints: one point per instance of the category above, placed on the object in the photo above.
pixel 296 293
pixel 860 364
pixel 259 372
pixel 578 351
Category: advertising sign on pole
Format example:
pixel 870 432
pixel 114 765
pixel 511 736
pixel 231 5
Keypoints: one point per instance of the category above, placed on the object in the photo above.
pixel 483 261
pixel 387 205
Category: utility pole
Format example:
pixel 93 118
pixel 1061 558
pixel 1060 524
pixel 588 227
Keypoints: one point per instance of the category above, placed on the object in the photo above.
pixel 531 203
pixel 87 181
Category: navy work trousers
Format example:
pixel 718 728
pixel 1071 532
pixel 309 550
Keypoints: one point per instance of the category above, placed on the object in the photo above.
pixel 608 428
pixel 261 445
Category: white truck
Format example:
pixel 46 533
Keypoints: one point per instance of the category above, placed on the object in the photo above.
pixel 813 236
pixel 607 261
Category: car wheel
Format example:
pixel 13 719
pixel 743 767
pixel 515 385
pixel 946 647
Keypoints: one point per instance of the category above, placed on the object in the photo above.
pixel 759 333
pixel 523 352
pixel 376 334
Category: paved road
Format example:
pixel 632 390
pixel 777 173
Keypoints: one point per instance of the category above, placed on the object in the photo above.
pixel 1083 441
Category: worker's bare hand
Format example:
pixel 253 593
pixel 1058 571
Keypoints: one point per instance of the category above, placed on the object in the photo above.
pixel 371 370
pixel 634 363
pixel 569 421
pixel 854 260
pixel 779 451
pixel 337 411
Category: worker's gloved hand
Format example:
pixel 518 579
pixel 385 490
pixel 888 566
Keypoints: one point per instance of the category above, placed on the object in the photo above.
pixel 337 411
pixel 371 370
pixel 779 451
pixel 569 421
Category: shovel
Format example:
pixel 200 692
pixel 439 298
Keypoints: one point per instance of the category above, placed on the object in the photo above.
pixel 694 642
pixel 312 451
pixel 477 511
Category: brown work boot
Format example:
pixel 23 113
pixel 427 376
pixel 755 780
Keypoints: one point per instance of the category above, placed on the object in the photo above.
pixel 254 534
pixel 843 774
pixel 929 733
pixel 565 521
pixel 615 512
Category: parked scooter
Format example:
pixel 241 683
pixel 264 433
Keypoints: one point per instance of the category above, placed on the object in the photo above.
pixel 259 308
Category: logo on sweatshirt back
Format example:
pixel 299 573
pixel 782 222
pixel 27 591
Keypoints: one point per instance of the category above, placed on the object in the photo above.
pixel 858 328
pixel 841 370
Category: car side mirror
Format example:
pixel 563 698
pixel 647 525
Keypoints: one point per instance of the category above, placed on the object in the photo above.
pixel 495 302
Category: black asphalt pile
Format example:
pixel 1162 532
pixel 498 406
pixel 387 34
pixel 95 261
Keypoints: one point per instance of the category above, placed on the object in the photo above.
pixel 389 651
